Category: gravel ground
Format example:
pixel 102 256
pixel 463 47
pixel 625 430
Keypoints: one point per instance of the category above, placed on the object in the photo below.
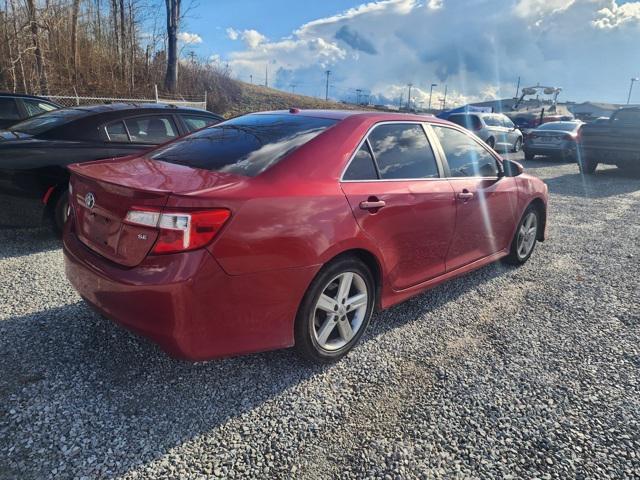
pixel 505 373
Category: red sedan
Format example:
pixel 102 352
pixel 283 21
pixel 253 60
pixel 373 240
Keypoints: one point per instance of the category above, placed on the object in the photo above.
pixel 289 228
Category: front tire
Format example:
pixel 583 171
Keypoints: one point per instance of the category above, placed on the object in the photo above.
pixel 335 310
pixel 525 239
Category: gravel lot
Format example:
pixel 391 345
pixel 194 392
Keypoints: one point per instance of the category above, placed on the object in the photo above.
pixel 522 373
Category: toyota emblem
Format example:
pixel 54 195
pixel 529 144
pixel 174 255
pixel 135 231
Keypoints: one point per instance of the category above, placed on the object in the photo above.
pixel 90 200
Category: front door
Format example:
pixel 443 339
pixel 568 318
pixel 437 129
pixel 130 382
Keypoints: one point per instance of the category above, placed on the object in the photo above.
pixel 400 200
pixel 485 200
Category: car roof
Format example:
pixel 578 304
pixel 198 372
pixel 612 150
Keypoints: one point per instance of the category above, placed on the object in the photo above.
pixel 23 95
pixel 368 115
pixel 118 107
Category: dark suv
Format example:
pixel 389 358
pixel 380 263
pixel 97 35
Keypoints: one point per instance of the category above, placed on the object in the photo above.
pixel 15 107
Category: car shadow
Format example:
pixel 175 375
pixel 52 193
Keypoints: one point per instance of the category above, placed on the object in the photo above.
pixel 69 359
pixel 607 182
pixel 18 242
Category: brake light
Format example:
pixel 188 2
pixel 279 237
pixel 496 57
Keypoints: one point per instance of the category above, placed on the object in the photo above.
pixel 181 231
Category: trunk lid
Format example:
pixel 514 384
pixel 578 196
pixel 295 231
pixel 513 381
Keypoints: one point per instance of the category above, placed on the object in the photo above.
pixel 104 191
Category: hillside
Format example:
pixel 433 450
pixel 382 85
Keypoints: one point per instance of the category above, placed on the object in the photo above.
pixel 253 98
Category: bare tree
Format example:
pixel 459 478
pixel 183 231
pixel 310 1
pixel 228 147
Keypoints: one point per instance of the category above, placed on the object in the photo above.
pixel 40 67
pixel 173 21
pixel 74 38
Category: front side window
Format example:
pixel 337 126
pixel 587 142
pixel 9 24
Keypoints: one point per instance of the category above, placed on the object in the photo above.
pixel 152 129
pixel 402 151
pixel 506 121
pixel 196 122
pixel 246 145
pixel 35 107
pixel 627 117
pixel 465 156
pixel 9 109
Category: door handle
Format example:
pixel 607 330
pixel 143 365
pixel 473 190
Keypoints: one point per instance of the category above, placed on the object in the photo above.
pixel 465 195
pixel 372 204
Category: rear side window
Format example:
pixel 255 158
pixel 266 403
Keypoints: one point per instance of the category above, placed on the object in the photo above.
pixel 362 166
pixel 246 145
pixel 470 122
pixel 153 129
pixel 35 107
pixel 115 132
pixel 465 156
pixel 402 151
pixel 196 122
pixel 9 109
pixel 492 121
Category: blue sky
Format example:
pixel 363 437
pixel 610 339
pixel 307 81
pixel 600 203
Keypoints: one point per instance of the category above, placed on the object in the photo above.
pixel 477 48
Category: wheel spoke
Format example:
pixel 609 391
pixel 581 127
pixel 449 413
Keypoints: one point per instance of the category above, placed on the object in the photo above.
pixel 326 303
pixel 326 329
pixel 357 301
pixel 346 332
pixel 345 286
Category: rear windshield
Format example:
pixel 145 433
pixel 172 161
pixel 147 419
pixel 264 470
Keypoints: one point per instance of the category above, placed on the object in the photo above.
pixel 47 121
pixel 564 126
pixel 470 122
pixel 246 145
pixel 629 117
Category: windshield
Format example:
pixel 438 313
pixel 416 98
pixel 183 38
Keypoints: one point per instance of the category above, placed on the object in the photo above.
pixel 246 145
pixel 47 121
pixel 564 126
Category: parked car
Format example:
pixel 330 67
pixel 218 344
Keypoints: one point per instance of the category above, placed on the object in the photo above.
pixel 34 153
pixel 614 142
pixel 15 107
pixel 496 129
pixel 553 139
pixel 285 228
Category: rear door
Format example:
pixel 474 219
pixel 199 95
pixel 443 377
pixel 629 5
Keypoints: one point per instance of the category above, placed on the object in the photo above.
pixel 400 199
pixel 485 200
pixel 137 133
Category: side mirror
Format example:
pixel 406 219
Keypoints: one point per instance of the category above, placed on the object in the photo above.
pixel 511 168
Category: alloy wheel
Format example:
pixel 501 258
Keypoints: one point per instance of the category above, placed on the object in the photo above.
pixel 527 235
pixel 340 311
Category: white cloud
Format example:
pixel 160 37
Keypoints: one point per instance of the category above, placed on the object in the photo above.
pixel 616 15
pixel 189 38
pixel 478 49
pixel 251 38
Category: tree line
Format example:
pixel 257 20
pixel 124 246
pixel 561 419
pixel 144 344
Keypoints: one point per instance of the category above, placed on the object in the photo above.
pixel 100 47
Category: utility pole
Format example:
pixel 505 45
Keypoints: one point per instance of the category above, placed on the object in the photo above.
pixel 409 98
pixel 266 75
pixel 518 87
pixel 400 103
pixel 431 93
pixel 326 88
pixel 293 87
pixel 251 78
pixel 358 92
pixel 635 79
pixel 444 100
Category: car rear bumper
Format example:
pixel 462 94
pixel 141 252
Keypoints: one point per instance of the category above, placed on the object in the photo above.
pixel 550 150
pixel 187 304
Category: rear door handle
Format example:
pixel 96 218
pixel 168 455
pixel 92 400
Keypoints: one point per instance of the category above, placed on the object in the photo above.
pixel 372 204
pixel 465 195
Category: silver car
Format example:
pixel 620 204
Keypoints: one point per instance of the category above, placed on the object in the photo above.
pixel 496 129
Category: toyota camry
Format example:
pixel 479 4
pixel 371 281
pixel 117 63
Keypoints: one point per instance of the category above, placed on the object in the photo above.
pixel 291 227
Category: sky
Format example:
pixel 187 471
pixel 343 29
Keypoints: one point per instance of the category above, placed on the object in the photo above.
pixel 476 48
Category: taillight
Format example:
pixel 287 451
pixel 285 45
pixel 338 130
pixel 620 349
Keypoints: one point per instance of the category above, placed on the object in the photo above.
pixel 181 231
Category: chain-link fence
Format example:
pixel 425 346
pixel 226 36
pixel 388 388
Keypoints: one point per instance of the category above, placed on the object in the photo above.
pixel 195 101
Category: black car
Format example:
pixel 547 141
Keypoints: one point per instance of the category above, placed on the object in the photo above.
pixel 15 107
pixel 34 153
pixel 553 139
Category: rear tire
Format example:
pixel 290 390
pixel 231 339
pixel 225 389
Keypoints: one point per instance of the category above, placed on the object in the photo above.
pixel 525 239
pixel 587 166
pixel 60 210
pixel 335 310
